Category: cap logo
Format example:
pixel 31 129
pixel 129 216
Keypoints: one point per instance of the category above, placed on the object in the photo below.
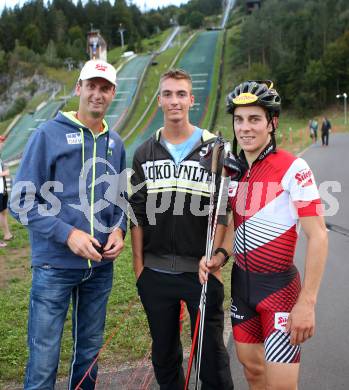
pixel 101 67
pixel 245 98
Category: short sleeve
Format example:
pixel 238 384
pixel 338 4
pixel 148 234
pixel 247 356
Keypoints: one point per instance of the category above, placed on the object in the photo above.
pixel 300 183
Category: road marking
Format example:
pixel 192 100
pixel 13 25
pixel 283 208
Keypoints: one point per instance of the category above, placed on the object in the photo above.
pixel 112 116
pixel 337 229
pixel 199 81
pixel 119 99
pixel 197 88
pixel 199 74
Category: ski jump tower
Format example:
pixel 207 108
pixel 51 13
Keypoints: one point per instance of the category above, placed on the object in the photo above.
pixel 96 45
pixel 252 5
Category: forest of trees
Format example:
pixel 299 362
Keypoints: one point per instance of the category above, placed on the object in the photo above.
pixel 303 45
pixel 50 32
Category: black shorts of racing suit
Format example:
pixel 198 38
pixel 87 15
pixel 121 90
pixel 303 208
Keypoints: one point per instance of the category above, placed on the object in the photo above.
pixel 259 311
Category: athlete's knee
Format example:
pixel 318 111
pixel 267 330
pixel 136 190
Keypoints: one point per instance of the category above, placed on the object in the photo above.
pixel 281 386
pixel 282 376
pixel 254 368
pixel 255 374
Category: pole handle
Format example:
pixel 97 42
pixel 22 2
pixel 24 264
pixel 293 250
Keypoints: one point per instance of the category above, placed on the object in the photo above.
pixel 215 156
pixel 227 150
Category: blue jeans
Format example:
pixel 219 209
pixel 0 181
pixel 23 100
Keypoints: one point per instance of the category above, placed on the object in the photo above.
pixel 49 301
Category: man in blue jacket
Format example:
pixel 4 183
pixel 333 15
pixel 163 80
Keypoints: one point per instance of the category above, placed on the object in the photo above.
pixel 70 165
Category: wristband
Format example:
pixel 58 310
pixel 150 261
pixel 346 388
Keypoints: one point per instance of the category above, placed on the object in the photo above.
pixel 225 253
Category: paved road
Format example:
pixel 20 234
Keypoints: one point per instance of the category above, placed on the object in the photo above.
pixel 326 356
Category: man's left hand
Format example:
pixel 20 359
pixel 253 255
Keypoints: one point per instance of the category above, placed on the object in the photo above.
pixel 114 245
pixel 301 322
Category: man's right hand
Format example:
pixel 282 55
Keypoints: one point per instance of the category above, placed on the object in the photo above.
pixel 210 267
pixel 82 244
pixel 138 271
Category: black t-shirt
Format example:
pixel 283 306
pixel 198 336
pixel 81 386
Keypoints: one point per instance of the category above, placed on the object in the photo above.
pixel 326 125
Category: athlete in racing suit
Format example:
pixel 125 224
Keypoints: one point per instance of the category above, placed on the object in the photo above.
pixel 271 312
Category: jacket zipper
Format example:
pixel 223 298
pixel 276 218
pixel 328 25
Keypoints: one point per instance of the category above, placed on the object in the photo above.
pixel 93 186
pixel 262 156
pixel 244 235
pixel 173 217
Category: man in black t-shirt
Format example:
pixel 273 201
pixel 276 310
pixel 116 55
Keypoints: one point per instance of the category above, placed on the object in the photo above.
pixel 325 130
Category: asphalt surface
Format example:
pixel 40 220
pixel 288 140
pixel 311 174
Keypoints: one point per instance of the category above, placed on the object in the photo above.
pixel 325 359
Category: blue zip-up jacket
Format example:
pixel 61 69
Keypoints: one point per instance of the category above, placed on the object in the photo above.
pixel 69 177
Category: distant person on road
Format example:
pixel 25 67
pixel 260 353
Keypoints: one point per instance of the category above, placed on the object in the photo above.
pixel 313 128
pixel 325 131
pixel 272 312
pixel 7 235
pixel 170 238
pixel 75 233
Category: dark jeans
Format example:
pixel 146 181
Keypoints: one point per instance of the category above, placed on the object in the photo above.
pixel 161 294
pixel 50 296
pixel 324 138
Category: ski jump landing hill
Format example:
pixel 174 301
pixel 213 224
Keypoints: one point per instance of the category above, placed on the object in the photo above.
pixel 128 79
pixel 199 61
pixel 22 130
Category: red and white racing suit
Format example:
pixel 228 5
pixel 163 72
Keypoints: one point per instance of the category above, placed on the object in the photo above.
pixel 267 203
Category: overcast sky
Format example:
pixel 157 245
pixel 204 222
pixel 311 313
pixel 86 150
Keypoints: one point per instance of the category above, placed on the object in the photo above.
pixel 140 3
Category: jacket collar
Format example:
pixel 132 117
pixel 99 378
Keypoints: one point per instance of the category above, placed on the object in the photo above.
pixel 263 154
pixel 206 136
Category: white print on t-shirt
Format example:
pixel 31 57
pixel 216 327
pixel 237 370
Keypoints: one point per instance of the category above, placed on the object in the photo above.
pixel 233 186
pixel 73 138
pixel 304 177
pixel 281 321
pixel 299 182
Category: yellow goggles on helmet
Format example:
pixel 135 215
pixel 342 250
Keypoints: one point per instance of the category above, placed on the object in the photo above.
pixel 248 97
